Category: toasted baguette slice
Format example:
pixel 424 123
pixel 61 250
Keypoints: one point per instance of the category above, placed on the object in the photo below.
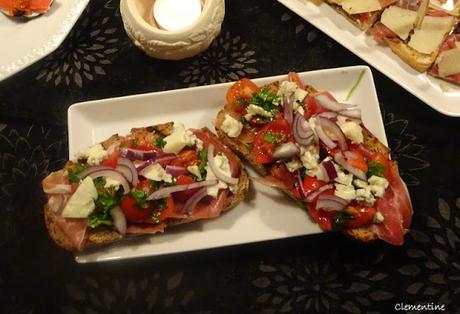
pixel 104 235
pixel 417 60
pixel 362 25
pixel 242 148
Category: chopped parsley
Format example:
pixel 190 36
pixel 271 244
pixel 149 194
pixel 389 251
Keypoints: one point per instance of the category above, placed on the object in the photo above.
pixel 135 142
pixel 106 200
pixel 160 142
pixel 300 203
pixel 266 99
pixel 271 138
pixel 240 101
pixel 160 205
pixel 75 171
pixel 245 121
pixel 342 218
pixel 375 169
pixel 141 198
pixel 203 156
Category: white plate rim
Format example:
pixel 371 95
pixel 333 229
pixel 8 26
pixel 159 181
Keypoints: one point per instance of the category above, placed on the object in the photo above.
pixel 37 53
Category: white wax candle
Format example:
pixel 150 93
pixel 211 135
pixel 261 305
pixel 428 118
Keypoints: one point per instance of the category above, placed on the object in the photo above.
pixel 173 15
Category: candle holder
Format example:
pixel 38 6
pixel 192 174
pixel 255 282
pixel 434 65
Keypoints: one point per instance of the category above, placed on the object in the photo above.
pixel 143 30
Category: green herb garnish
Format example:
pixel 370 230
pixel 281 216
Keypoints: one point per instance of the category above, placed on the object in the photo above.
pixel 100 218
pixel 160 142
pixel 266 99
pixel 375 169
pixel 106 200
pixel 342 218
pixel 203 156
pixel 135 142
pixel 141 198
pixel 160 205
pixel 271 138
pixel 99 183
pixel 75 171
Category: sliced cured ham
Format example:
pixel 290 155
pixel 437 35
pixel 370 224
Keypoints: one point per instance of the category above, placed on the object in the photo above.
pixel 396 208
pixel 145 228
pixel 74 229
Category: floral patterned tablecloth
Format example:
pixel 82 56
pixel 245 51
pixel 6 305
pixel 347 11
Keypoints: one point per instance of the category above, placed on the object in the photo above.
pixel 317 274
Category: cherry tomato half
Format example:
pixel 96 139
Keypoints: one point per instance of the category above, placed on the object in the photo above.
pixel 361 216
pixel 312 107
pixel 183 196
pixel 268 137
pixel 111 160
pixel 241 89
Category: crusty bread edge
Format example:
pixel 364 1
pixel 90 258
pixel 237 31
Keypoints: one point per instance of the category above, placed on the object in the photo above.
pixel 102 236
pixel 417 60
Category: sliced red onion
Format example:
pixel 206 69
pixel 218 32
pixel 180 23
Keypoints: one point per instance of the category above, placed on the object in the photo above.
pixel 299 186
pixel 288 108
pixel 286 150
pixel 212 163
pixel 301 130
pixel 322 124
pixel 119 219
pixel 351 113
pixel 315 193
pixel 92 169
pixel 176 170
pixel 191 203
pixel 329 169
pixel 328 115
pixel 339 158
pixel 327 103
pixel 59 189
pixel 350 155
pixel 271 181
pixel 153 161
pixel 165 192
pixel 128 169
pixel 137 154
pixel 114 174
pixel 331 203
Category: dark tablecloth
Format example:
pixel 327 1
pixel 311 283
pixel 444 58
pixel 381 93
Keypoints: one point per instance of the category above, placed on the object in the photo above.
pixel 318 274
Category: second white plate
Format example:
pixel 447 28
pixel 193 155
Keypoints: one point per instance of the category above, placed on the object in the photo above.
pixel 421 85
pixel 265 214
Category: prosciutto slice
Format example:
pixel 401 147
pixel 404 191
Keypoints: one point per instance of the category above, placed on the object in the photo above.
pixel 396 208
pixel 74 229
pixel 145 228
pixel 448 44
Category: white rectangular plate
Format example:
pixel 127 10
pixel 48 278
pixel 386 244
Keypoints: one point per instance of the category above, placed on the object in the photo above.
pixel 25 41
pixel 265 214
pixel 421 85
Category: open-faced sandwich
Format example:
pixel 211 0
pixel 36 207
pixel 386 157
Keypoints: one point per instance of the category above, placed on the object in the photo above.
pixel 142 183
pixel 447 64
pixel 318 151
pixel 413 31
pixel 362 13
pixel 27 8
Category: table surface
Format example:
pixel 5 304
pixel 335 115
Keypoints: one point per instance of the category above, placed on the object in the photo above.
pixel 318 274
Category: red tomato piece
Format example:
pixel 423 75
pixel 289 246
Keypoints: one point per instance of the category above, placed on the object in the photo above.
pixel 183 196
pixel 186 158
pixel 312 107
pixel 169 210
pixel 323 218
pixel 111 160
pixel 240 90
pixel 382 159
pixel 263 148
pixel 134 213
pixel 361 216
pixel 358 162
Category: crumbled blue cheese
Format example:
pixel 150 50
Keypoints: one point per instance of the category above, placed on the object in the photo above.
pixel 287 89
pixel 300 95
pixel 156 172
pixel 347 192
pixel 93 155
pixel 109 183
pixel 342 178
pixel 254 110
pixel 81 203
pixel 378 217
pixel 195 171
pixel 378 185
pixel 310 160
pixel 180 138
pixel 360 183
pixel 352 130
pixel 365 195
pixel 231 126
pixel 293 165
pixel 298 108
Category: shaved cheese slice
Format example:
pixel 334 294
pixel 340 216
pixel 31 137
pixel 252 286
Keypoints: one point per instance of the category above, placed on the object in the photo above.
pixel 449 62
pixel 399 20
pixel 428 38
pixel 360 6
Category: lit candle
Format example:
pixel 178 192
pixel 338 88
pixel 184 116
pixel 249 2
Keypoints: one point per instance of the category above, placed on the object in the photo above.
pixel 173 15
